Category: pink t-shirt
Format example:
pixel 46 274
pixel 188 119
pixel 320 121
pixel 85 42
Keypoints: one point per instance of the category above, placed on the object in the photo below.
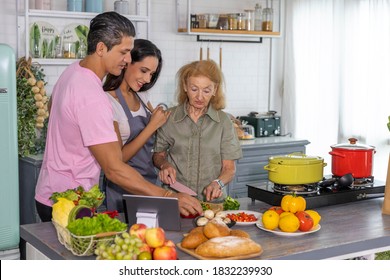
pixel 81 116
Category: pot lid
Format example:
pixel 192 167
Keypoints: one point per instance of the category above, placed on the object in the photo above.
pixel 353 145
pixel 295 159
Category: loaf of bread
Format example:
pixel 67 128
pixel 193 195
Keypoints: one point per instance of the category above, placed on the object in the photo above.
pixel 240 233
pixel 228 246
pixel 216 228
pixel 193 240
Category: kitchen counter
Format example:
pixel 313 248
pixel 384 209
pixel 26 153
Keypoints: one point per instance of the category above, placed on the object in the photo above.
pixel 347 230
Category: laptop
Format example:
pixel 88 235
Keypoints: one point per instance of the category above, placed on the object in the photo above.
pixel 152 211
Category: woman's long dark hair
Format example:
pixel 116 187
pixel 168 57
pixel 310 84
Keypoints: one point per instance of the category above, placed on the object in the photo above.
pixel 142 48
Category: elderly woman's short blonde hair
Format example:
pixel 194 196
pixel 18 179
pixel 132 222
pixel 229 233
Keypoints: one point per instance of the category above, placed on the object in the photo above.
pixel 205 68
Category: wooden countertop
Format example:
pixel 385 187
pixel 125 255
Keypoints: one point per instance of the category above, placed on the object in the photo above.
pixel 347 230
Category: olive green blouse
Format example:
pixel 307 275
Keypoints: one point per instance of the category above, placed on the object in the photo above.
pixel 196 150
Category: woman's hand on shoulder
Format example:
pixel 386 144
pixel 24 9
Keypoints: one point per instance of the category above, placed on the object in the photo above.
pixel 159 117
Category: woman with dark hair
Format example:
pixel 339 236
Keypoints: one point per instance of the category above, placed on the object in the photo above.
pixel 135 120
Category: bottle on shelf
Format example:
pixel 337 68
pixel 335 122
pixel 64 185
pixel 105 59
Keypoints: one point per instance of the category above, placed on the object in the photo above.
pixel 94 6
pixel 121 7
pixel 258 17
pixel 268 14
pixel 75 6
pixel 43 4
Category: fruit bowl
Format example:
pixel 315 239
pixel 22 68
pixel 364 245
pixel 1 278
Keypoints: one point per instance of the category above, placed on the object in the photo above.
pixel 83 245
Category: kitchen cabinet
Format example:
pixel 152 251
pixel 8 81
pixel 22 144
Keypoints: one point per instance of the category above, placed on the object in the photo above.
pixel 60 19
pixel 186 8
pixel 250 168
pixel 29 168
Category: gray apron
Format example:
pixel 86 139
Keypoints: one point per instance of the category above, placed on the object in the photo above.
pixel 141 161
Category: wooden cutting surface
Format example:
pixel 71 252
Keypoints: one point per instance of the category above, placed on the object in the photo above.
pixel 241 257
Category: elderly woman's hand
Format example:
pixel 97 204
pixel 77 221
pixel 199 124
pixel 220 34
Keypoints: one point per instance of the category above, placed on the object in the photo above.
pixel 167 174
pixel 212 191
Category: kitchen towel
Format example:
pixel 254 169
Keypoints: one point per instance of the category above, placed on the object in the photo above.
pixel 386 201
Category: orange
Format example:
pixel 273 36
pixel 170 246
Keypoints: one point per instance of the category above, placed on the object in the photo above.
pixel 270 219
pixel 285 214
pixel 289 223
pixel 315 216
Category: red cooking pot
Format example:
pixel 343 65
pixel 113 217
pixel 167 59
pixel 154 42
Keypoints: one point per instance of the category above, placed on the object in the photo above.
pixel 352 158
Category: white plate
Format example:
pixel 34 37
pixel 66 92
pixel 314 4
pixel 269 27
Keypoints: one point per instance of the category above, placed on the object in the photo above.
pixel 43 39
pixel 74 33
pixel 257 215
pixel 259 224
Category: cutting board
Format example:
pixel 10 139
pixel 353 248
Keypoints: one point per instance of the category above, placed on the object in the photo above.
pixel 242 257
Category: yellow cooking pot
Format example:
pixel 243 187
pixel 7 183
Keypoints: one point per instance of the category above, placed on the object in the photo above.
pixel 295 169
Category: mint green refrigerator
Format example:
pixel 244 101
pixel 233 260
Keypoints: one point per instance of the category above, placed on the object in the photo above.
pixel 9 182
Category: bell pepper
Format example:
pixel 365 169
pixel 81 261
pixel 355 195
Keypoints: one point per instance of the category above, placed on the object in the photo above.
pixel 293 203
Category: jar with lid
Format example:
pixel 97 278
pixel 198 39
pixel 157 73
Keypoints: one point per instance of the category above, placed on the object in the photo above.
pixel 202 19
pixel 75 5
pixel 268 14
pixel 232 20
pixel 43 4
pixel 241 21
pixel 249 19
pixel 94 6
pixel 223 23
pixel 258 17
pixel 121 7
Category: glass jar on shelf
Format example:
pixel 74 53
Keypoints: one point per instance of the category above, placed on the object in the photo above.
pixel 249 19
pixel 241 21
pixel 232 21
pixel 268 14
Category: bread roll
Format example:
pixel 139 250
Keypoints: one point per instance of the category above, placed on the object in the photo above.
pixel 216 228
pixel 228 246
pixel 240 233
pixel 196 229
pixel 193 240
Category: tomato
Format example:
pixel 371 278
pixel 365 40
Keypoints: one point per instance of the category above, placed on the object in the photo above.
pixel 277 209
pixel 242 217
pixel 305 221
pixel 293 203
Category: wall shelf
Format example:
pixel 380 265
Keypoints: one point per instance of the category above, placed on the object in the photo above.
pixel 185 8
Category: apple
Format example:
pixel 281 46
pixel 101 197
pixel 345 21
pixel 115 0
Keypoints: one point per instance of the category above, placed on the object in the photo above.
pixel 138 230
pixel 145 247
pixel 165 253
pixel 169 243
pixel 155 237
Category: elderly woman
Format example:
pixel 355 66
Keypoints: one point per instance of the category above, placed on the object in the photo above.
pixel 198 144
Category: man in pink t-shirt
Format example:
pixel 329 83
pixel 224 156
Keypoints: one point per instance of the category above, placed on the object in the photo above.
pixel 81 139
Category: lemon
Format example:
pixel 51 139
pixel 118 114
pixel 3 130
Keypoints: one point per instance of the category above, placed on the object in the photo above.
pixel 145 255
pixel 270 219
pixel 289 223
pixel 285 214
pixel 315 216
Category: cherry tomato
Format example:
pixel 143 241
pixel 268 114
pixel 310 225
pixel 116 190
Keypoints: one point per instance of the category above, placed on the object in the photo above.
pixel 305 221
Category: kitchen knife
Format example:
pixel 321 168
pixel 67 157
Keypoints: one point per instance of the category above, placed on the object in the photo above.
pixel 182 188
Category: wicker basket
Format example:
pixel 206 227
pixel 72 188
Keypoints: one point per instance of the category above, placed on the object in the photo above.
pixel 83 245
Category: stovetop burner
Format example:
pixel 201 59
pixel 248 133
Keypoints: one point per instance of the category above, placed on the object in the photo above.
pixel 317 195
pixel 298 189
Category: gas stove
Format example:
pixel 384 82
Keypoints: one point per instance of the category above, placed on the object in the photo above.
pixel 324 193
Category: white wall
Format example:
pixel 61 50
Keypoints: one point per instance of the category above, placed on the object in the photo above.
pixel 245 65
